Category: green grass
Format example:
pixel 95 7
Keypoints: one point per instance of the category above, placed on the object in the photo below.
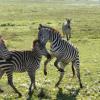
pixel 19 26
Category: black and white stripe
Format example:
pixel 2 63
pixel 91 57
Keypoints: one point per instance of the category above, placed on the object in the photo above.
pixel 64 51
pixel 24 61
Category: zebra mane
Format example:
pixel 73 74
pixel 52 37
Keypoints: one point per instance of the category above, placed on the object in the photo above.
pixel 52 30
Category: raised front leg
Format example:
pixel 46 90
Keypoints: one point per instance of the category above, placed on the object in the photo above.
pixel 10 82
pixel 31 74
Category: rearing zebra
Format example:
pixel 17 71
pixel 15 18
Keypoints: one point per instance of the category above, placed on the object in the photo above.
pixel 4 52
pixel 24 61
pixel 66 29
pixel 61 49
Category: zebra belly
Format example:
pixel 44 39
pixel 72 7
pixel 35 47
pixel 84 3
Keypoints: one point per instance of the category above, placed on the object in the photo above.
pixel 56 53
pixel 20 69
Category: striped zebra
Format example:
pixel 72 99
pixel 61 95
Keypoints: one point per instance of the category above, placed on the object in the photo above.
pixel 24 61
pixel 4 52
pixel 66 29
pixel 61 49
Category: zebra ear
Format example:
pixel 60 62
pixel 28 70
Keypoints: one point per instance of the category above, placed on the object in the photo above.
pixel 40 26
pixel 68 19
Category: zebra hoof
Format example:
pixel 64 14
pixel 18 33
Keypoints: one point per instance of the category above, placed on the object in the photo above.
pixel 19 95
pixel 35 87
pixel 81 86
pixel 73 76
pixel 45 73
pixel 56 85
pixel 1 91
pixel 61 70
pixel 29 98
pixel 30 93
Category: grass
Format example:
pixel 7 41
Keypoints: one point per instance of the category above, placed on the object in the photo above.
pixel 19 26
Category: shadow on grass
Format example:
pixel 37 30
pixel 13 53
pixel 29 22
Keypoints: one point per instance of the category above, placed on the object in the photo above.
pixel 63 96
pixel 43 94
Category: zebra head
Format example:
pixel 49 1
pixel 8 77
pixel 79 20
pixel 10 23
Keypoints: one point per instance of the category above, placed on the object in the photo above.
pixel 4 52
pixel 43 34
pixel 40 49
pixel 68 21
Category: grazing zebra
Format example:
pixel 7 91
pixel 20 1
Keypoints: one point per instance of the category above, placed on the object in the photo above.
pixel 66 29
pixel 4 53
pixel 61 49
pixel 24 61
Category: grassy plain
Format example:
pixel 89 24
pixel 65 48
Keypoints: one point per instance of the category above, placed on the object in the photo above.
pixel 19 26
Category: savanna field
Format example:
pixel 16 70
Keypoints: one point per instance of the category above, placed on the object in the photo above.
pixel 19 23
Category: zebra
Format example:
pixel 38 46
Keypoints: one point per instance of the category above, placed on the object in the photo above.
pixel 24 61
pixel 5 54
pixel 66 29
pixel 64 51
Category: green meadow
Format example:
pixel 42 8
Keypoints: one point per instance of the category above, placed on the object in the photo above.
pixel 19 23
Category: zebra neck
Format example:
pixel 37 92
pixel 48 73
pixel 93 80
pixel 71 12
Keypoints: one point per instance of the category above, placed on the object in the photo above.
pixel 54 37
pixel 38 58
pixel 36 54
pixel 69 26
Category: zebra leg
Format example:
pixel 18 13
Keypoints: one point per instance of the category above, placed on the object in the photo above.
pixel 32 78
pixel 73 70
pixel 60 79
pixel 45 65
pixel 10 82
pixel 56 65
pixel 67 36
pixel 78 73
pixel 63 33
pixel 61 74
pixel 1 74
